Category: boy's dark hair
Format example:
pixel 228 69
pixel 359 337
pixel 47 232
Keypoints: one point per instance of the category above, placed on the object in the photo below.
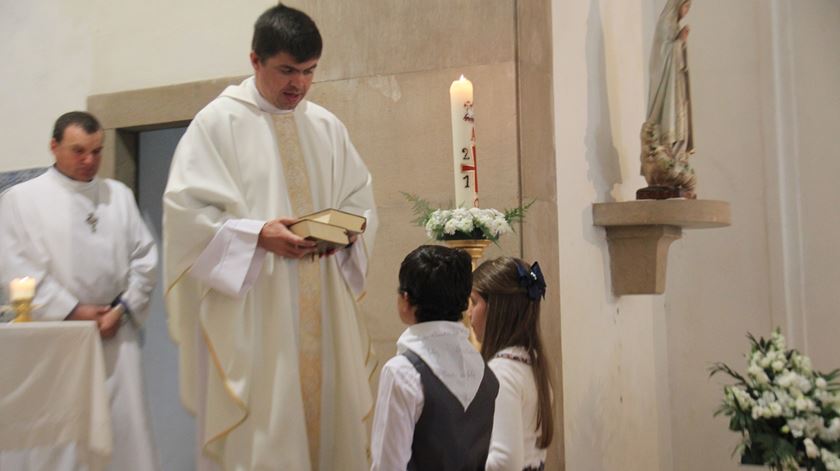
pixel 83 119
pixel 283 29
pixel 438 281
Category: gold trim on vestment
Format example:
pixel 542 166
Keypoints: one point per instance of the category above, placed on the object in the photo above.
pixel 369 350
pixel 370 377
pixel 168 327
pixel 241 404
pixel 310 311
pixel 372 371
pixel 191 410
pixel 168 289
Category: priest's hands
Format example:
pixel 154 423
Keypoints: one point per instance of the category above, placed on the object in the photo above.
pixel 276 237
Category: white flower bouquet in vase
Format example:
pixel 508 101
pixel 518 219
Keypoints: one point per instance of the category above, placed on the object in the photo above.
pixel 788 415
pixel 464 223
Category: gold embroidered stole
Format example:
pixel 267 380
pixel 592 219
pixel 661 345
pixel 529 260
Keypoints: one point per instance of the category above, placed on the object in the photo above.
pixel 309 282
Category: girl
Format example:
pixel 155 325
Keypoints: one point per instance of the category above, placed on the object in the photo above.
pixel 505 314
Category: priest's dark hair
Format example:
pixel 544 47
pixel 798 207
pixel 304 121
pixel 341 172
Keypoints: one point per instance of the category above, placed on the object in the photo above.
pixel 284 29
pixel 437 281
pixel 512 319
pixel 82 119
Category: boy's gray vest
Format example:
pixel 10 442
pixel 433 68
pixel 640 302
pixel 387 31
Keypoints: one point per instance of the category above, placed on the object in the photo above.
pixel 447 438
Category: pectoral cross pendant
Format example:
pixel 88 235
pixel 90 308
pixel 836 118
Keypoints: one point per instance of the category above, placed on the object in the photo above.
pixel 91 221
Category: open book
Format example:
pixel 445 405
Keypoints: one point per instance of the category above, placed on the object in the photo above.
pixel 329 228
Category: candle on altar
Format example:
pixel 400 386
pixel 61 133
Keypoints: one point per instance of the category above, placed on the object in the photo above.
pixel 463 143
pixel 22 289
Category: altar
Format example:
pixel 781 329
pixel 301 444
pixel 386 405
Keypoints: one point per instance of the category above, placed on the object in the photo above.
pixel 52 389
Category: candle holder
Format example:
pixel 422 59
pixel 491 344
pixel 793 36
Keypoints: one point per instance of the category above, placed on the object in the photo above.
pixel 23 310
pixel 21 294
pixel 474 247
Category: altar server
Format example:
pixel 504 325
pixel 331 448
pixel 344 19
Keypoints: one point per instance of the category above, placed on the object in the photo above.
pixel 83 239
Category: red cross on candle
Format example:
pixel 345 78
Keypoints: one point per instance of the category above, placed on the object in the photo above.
pixel 472 168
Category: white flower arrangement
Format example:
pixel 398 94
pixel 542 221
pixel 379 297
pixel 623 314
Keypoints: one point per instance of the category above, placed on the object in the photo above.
pixel 464 223
pixel 787 413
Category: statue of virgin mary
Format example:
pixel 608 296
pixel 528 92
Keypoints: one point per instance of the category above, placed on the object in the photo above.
pixel 667 135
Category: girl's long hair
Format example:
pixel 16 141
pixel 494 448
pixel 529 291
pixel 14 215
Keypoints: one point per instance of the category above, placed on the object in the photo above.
pixel 513 319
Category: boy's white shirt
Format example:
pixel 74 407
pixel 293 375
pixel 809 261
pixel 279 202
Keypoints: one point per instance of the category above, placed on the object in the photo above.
pixel 446 349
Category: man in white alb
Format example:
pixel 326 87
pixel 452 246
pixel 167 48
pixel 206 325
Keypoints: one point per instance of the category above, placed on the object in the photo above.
pixel 83 239
pixel 274 362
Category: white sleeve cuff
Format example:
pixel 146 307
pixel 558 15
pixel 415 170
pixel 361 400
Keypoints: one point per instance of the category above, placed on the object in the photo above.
pixel 231 261
pixel 353 263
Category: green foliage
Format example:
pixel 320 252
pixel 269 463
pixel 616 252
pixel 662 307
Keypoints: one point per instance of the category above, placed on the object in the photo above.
pixel 518 214
pixel 421 208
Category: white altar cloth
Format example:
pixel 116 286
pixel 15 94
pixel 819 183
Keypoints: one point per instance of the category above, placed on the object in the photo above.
pixel 52 389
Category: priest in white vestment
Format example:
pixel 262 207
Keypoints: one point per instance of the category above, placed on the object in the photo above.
pixel 83 239
pixel 274 361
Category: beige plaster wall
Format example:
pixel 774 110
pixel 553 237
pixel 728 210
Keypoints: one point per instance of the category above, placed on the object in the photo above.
pixel 766 95
pixel 42 75
pixel 719 280
pixel 538 185
pixel 637 392
pixel 816 67
pixel 614 369
pixel 406 146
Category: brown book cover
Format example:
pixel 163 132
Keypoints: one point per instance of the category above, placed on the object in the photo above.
pixel 327 236
pixel 336 217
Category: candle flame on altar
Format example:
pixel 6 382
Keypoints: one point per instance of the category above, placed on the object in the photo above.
pixel 462 78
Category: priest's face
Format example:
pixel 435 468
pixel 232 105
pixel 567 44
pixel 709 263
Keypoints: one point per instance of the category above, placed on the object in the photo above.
pixel 282 80
pixel 78 154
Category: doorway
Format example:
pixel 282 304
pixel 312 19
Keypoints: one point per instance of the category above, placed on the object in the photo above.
pixel 173 429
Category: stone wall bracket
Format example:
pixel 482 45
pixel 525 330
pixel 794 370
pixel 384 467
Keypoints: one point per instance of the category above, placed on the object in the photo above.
pixel 639 234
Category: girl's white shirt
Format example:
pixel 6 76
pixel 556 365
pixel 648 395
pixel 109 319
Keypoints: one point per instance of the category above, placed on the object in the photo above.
pixel 513 445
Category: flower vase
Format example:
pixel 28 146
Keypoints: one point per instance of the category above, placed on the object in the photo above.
pixel 474 247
